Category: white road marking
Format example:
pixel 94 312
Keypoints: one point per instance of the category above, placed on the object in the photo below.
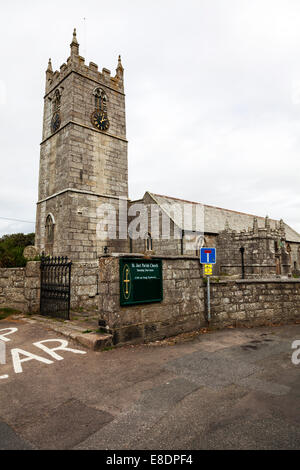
pixel 62 347
pixel 2 352
pixel 15 353
pixel 10 331
pixel 296 354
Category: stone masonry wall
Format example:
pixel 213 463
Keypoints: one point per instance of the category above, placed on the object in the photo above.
pixel 77 226
pixel 295 257
pixel 85 286
pixel 183 309
pixel 96 287
pixel 20 287
pixel 255 301
pixel 259 252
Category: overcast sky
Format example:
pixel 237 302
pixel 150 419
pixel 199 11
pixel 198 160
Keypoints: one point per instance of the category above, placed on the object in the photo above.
pixel 212 97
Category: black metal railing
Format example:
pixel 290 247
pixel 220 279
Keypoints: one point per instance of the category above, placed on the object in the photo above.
pixel 55 286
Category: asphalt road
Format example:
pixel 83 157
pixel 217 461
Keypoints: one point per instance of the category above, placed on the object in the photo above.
pixel 230 389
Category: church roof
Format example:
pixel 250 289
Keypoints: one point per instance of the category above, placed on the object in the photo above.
pixel 215 218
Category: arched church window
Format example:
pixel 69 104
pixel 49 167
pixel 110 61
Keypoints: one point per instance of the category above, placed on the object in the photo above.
pixel 200 242
pixel 149 242
pixel 56 100
pixel 100 99
pixel 49 229
pixel 56 119
pixel 99 117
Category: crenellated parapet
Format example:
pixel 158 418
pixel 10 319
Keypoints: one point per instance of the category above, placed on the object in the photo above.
pixel 76 63
pixel 264 249
pixel 256 231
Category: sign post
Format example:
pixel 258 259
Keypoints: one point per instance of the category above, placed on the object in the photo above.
pixel 208 258
pixel 208 299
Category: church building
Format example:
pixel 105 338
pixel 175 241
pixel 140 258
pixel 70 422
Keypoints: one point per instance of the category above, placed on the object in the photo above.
pixel 84 168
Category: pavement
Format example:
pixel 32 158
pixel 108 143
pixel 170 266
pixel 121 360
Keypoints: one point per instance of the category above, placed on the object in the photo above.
pixel 225 389
pixel 83 329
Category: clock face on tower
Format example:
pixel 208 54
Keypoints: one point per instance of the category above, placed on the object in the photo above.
pixel 100 120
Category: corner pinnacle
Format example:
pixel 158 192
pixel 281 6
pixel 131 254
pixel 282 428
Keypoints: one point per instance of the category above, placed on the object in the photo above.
pixel 119 69
pixel 74 41
pixel 49 68
pixel 74 44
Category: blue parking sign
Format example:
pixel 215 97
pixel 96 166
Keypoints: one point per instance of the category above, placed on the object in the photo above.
pixel 208 256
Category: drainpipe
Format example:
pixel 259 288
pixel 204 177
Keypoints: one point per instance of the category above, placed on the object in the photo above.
pixel 242 250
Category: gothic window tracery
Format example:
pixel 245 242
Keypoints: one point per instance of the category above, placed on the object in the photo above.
pixel 56 100
pixel 99 116
pixel 56 119
pixel 49 229
pixel 100 99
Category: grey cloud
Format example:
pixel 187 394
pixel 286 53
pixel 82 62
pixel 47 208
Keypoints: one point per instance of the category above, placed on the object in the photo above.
pixel 212 90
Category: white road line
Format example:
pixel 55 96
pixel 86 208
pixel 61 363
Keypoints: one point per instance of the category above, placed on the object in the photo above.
pixel 9 332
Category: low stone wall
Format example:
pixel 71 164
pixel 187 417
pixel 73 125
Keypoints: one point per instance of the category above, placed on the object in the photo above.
pixel 255 301
pixel 85 286
pixel 96 287
pixel 181 310
pixel 183 307
pixel 20 287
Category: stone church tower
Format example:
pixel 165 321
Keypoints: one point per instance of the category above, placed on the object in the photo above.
pixel 83 159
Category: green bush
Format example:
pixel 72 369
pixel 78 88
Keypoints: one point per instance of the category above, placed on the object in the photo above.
pixel 12 247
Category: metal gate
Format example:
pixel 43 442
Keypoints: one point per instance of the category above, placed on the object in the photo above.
pixel 55 286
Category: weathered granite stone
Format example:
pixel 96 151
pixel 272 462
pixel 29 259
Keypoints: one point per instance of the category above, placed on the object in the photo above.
pixel 81 167
pixel 30 252
pixel 183 308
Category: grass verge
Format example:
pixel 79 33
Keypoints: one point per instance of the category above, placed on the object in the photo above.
pixel 7 312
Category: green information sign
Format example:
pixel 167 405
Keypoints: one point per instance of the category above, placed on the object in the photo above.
pixel 140 281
